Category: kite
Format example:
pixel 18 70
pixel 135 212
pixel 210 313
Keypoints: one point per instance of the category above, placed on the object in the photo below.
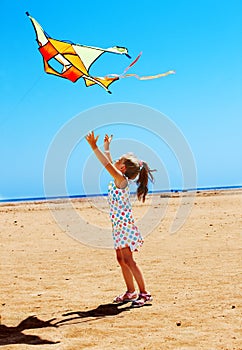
pixel 73 61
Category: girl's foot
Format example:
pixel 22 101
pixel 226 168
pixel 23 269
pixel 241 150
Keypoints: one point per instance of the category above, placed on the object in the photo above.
pixel 127 296
pixel 142 299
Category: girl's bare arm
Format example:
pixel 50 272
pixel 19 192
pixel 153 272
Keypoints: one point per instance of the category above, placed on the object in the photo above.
pixel 107 141
pixel 114 172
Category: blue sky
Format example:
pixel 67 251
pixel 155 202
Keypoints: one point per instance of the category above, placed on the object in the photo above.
pixel 200 40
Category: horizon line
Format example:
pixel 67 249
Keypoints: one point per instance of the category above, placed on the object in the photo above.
pixel 175 190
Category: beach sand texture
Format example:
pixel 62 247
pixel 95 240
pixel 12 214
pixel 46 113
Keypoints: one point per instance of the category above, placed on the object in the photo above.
pixel 56 293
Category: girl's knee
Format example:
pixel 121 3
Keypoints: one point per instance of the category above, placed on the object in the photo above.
pixel 120 258
pixel 128 260
pixel 125 257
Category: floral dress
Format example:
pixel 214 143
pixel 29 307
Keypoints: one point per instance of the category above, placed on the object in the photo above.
pixel 125 232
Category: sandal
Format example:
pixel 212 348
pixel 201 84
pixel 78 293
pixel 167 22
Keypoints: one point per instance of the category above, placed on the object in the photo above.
pixel 127 296
pixel 142 299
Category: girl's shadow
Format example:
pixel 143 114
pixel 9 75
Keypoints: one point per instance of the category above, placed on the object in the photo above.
pixel 97 313
pixel 15 335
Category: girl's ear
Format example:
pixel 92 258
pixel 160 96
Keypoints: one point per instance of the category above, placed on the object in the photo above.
pixel 123 168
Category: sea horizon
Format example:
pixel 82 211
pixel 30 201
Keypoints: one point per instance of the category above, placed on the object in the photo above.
pixel 76 196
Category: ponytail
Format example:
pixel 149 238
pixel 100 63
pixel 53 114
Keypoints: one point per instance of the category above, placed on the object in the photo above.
pixel 142 182
pixel 135 168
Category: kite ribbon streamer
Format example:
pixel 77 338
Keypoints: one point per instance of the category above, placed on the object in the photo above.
pixel 148 77
pixel 131 64
pixel 126 69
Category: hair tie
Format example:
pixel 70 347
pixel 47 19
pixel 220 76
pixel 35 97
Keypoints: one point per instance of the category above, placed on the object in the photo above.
pixel 141 164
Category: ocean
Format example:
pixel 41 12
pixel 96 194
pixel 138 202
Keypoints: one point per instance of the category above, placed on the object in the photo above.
pixel 32 199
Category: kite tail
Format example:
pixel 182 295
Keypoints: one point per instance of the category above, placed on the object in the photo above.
pixel 122 75
pixel 132 63
pixel 148 77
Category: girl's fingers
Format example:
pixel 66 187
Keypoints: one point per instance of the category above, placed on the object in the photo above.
pixel 108 138
pixel 90 134
pixel 91 138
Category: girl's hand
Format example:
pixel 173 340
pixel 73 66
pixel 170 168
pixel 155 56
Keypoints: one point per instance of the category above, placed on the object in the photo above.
pixel 105 158
pixel 107 141
pixel 92 139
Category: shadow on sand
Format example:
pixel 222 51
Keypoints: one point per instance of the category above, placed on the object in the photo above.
pixel 101 311
pixel 15 335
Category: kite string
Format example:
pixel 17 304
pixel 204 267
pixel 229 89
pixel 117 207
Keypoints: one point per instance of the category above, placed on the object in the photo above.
pixel 20 100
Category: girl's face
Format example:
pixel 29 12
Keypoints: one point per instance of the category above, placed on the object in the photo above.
pixel 119 164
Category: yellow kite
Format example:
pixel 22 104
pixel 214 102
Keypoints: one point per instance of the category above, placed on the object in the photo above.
pixel 73 61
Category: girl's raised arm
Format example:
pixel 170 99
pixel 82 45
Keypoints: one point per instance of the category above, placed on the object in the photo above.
pixel 107 141
pixel 106 162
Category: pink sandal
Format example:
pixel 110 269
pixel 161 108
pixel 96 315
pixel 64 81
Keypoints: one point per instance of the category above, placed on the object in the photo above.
pixel 127 296
pixel 142 299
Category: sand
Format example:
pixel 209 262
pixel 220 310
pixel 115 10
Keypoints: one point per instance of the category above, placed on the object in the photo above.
pixel 56 292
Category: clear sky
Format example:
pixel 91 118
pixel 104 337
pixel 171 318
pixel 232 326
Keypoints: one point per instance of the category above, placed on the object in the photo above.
pixel 200 40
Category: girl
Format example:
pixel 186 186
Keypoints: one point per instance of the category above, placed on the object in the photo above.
pixel 126 235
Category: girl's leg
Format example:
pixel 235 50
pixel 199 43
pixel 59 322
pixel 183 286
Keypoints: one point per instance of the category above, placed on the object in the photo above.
pixel 127 274
pixel 134 270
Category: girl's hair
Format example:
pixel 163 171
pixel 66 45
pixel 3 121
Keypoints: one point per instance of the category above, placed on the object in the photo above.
pixel 134 168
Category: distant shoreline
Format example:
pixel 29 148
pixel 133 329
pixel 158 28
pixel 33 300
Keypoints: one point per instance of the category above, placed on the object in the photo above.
pixel 83 196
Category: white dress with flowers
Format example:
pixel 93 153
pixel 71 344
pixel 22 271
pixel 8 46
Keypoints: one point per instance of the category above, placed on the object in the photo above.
pixel 125 232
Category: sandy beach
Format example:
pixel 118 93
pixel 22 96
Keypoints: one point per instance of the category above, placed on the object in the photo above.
pixel 57 292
